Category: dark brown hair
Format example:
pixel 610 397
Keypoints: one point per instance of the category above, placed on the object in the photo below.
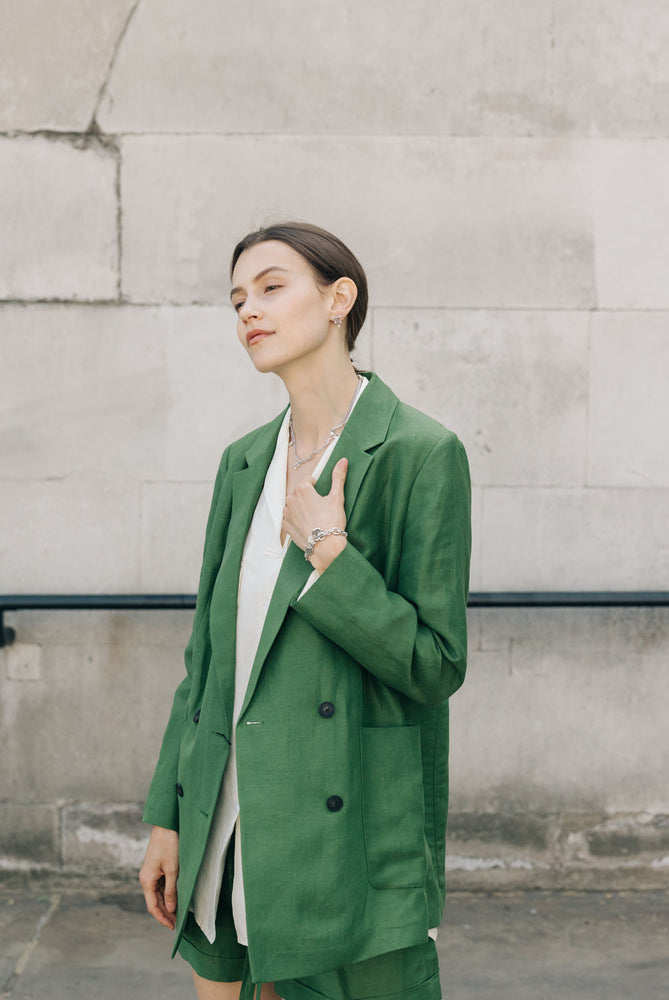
pixel 328 257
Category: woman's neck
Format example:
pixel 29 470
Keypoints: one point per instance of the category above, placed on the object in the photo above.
pixel 320 398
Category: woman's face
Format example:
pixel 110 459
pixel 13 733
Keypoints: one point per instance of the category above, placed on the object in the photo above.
pixel 282 314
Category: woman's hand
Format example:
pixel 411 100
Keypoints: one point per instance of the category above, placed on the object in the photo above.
pixel 306 509
pixel 158 875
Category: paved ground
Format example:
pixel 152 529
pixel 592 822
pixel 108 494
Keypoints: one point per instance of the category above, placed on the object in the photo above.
pixel 61 938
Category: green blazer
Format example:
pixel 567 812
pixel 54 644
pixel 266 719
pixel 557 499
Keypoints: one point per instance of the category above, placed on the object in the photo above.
pixel 343 786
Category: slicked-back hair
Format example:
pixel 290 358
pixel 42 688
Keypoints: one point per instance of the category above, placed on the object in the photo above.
pixel 328 257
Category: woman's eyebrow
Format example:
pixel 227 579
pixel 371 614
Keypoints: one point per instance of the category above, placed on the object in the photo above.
pixel 258 276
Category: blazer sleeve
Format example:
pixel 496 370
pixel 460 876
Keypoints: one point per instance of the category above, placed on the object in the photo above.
pixel 161 806
pixel 415 638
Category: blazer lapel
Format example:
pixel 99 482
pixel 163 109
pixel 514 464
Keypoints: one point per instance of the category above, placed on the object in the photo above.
pixel 247 484
pixel 366 428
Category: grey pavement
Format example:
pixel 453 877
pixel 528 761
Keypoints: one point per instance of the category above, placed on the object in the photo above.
pixel 73 937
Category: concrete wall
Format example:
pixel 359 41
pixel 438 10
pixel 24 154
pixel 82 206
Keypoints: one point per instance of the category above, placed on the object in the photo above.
pixel 502 175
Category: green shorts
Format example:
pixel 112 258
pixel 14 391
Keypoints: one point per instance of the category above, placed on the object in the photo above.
pixel 406 974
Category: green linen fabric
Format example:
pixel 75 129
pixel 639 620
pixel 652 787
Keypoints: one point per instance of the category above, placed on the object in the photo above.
pixel 343 814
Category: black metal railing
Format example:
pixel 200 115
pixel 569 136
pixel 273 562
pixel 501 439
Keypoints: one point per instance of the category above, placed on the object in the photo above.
pixel 87 602
pixel 569 599
pixel 179 602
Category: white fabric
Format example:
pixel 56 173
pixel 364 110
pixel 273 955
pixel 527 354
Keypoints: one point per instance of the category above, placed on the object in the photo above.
pixel 261 562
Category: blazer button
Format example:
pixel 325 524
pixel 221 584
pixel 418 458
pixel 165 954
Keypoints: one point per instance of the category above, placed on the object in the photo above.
pixel 196 717
pixel 180 789
pixel 334 803
pixel 327 709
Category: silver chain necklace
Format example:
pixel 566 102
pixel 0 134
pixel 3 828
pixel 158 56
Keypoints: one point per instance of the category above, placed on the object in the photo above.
pixel 292 440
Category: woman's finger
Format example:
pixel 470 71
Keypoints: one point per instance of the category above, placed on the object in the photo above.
pixel 338 479
pixel 156 907
pixel 170 891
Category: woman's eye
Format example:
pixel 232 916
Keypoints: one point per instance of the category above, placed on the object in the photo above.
pixel 271 288
pixel 237 306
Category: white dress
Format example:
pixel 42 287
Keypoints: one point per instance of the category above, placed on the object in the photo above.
pixel 261 562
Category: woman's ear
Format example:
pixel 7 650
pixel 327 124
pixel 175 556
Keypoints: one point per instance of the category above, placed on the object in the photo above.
pixel 344 293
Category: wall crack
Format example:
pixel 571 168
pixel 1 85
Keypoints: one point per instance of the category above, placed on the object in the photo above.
pixel 93 126
pixel 25 955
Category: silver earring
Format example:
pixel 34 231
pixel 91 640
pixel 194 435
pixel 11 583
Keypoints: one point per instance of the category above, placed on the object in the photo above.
pixel 336 320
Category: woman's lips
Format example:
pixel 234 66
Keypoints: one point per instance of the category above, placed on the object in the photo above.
pixel 255 335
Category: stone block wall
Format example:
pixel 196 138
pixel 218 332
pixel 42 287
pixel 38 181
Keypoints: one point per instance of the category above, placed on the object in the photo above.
pixel 501 173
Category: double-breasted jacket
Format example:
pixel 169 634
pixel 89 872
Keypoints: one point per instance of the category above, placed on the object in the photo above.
pixel 342 740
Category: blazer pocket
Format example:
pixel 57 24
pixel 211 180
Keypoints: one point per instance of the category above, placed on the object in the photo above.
pixel 393 811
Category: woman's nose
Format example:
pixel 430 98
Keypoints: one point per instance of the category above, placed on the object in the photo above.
pixel 248 311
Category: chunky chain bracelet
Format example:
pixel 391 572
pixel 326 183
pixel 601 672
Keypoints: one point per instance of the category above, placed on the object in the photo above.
pixel 316 536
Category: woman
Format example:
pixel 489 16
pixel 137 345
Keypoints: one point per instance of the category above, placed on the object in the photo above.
pixel 301 789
